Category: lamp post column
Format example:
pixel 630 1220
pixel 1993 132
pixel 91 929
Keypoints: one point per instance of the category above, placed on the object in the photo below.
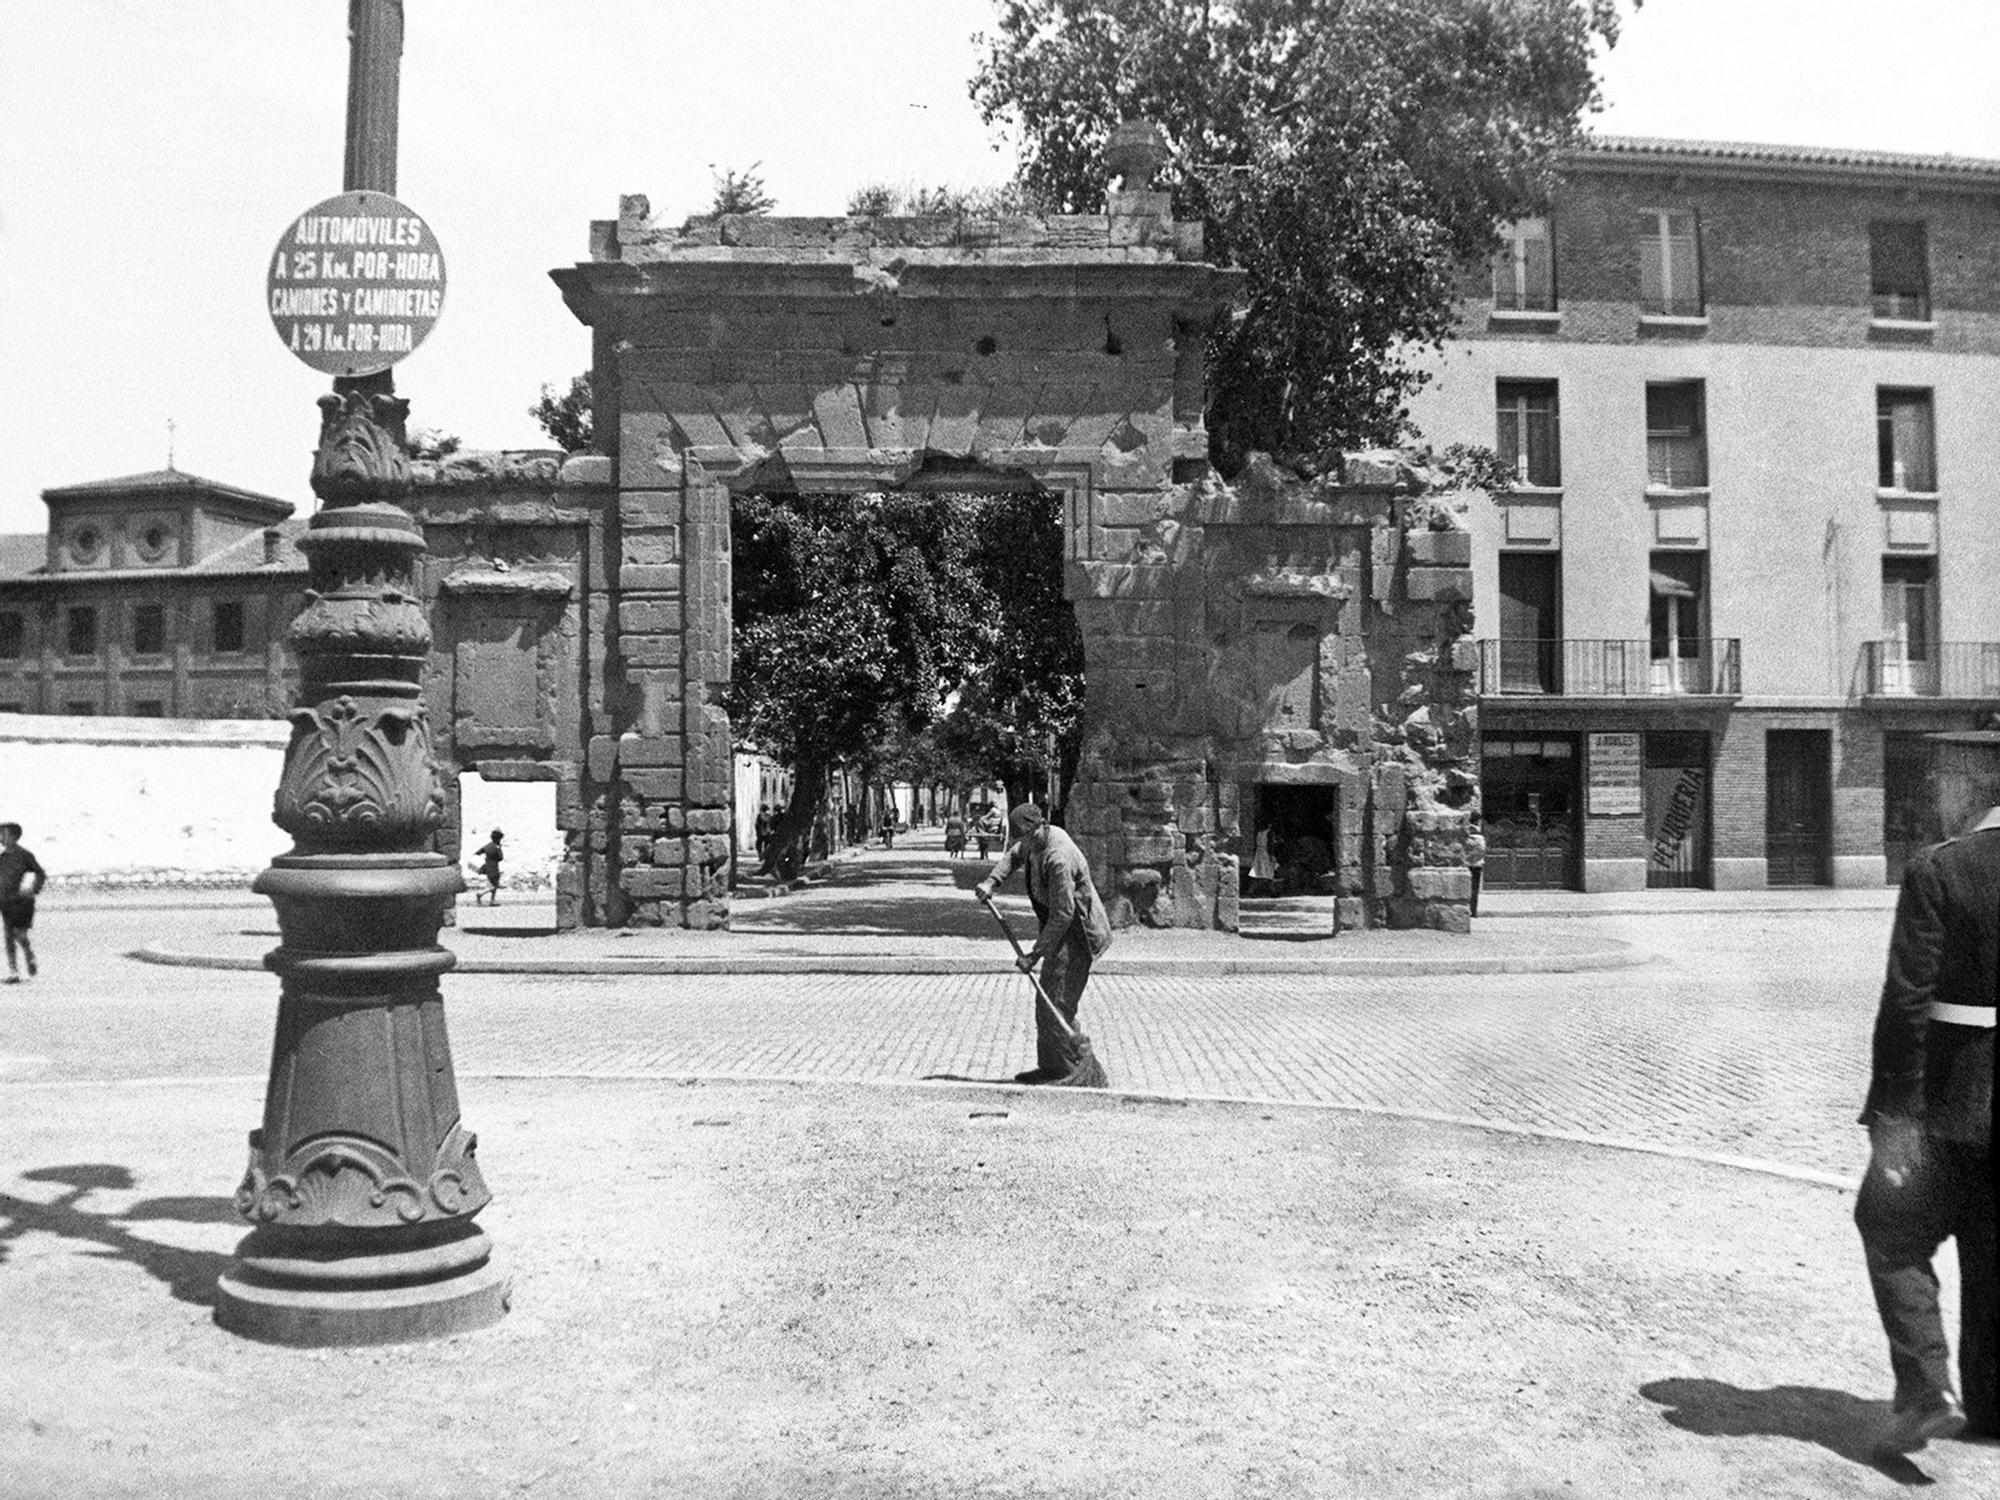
pixel 362 1183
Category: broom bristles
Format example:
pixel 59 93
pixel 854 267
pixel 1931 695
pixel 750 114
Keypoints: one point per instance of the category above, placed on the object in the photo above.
pixel 1086 1072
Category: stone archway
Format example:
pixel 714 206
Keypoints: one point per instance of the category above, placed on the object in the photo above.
pixel 846 354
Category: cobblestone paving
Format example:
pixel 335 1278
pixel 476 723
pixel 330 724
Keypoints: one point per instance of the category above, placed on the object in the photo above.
pixel 1748 1038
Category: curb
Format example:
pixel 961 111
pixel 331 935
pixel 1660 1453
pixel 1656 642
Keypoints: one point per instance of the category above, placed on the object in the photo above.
pixel 1844 1182
pixel 1621 956
pixel 1557 914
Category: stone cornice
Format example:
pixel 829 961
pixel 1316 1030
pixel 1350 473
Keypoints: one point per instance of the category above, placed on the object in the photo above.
pixel 1199 290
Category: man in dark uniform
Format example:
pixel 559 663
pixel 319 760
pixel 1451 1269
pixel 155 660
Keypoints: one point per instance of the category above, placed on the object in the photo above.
pixel 1075 929
pixel 17 898
pixel 1930 1120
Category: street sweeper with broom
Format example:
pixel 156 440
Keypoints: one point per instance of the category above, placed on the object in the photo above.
pixel 1074 932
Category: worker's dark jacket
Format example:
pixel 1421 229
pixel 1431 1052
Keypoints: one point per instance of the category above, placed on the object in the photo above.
pixel 1945 948
pixel 1060 890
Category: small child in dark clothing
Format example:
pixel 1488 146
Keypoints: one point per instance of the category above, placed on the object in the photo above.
pixel 17 897
pixel 488 856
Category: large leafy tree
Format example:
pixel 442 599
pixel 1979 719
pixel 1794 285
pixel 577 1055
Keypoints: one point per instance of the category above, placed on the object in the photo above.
pixel 855 617
pixel 1018 715
pixel 923 636
pixel 1351 156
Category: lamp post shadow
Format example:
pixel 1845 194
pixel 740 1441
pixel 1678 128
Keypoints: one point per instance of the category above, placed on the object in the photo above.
pixel 188 1275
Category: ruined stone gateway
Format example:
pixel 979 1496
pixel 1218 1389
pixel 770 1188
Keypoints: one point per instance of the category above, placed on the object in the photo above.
pixel 1275 643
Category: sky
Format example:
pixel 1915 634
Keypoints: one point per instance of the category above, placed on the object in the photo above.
pixel 152 153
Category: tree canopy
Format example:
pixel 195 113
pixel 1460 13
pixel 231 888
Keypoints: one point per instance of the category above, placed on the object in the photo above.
pixel 567 418
pixel 921 635
pixel 1353 157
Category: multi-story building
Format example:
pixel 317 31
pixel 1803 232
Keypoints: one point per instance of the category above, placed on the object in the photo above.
pixel 158 595
pixel 1751 398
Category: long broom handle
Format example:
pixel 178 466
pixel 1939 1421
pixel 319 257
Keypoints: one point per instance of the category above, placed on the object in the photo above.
pixel 1020 953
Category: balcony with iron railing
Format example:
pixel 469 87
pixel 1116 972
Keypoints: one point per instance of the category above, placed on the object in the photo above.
pixel 1689 668
pixel 1933 669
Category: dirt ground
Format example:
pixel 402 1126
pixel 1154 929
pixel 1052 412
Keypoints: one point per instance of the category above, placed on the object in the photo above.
pixel 747 1290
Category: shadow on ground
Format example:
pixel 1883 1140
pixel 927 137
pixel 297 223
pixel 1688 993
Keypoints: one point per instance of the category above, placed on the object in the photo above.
pixel 1842 1424
pixel 922 896
pixel 188 1274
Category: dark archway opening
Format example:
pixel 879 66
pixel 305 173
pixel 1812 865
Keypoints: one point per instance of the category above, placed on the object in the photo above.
pixel 914 636
pixel 1295 834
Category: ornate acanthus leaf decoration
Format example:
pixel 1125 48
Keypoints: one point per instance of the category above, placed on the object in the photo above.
pixel 362 451
pixel 355 772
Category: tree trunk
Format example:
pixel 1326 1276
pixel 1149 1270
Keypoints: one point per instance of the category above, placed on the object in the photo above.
pixel 1069 755
pixel 1020 783
pixel 791 840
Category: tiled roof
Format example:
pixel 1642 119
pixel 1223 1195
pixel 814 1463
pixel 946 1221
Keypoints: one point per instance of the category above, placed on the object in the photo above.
pixel 158 479
pixel 1754 153
pixel 23 552
pixel 164 479
pixel 247 555
pixel 23 558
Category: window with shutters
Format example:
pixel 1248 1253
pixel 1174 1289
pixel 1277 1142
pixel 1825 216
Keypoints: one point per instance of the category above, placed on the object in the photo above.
pixel 1676 439
pixel 1526 436
pixel 82 630
pixel 1905 442
pixel 1669 264
pixel 149 629
pixel 228 625
pixel 1524 277
pixel 1899 272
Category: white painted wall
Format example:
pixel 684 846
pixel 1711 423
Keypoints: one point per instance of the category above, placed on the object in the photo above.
pixel 143 800
pixel 523 810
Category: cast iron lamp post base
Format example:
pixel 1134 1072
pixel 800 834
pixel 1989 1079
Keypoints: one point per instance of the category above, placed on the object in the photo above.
pixel 280 1292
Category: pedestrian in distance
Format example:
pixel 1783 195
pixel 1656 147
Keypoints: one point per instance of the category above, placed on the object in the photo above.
pixel 21 880
pixel 1475 860
pixel 765 824
pixel 1074 928
pixel 1929 1114
pixel 1263 863
pixel 489 857
pixel 954 834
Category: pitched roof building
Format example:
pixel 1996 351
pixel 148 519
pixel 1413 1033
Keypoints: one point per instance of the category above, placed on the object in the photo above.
pixel 161 594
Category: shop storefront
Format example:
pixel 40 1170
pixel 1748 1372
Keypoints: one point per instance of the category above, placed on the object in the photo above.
pixel 1530 804
pixel 1676 784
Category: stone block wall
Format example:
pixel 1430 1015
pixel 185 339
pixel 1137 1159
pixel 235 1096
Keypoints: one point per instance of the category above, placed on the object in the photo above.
pixel 512 583
pixel 1280 631
pixel 660 772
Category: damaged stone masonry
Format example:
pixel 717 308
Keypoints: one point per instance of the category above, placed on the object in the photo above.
pixel 1240 639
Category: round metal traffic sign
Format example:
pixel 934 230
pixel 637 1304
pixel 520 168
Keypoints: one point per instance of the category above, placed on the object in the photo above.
pixel 355 284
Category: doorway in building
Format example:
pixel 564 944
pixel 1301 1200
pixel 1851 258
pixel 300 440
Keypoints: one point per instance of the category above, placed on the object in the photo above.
pixel 524 813
pixel 1909 808
pixel 1798 806
pixel 1530 622
pixel 1675 789
pixel 1528 797
pixel 1300 828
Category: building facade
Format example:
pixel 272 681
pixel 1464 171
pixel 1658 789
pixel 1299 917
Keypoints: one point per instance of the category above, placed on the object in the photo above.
pixel 1751 399
pixel 160 595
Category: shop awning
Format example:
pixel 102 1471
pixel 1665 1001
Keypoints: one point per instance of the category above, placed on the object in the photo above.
pixel 1669 587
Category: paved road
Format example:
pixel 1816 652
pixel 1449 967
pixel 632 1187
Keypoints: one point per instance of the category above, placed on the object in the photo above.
pixel 1747 1038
